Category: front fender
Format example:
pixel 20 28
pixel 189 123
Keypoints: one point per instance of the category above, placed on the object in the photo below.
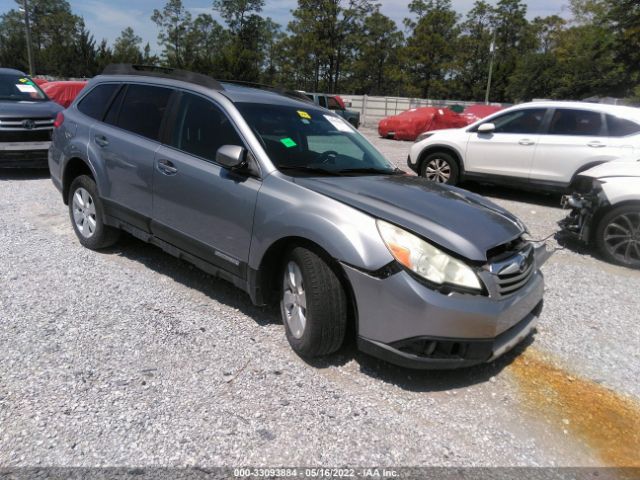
pixel 285 209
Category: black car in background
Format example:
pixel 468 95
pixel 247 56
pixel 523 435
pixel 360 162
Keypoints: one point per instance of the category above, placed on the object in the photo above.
pixel 27 117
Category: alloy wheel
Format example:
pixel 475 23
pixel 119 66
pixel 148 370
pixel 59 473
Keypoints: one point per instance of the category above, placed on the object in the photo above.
pixel 84 212
pixel 622 238
pixel 438 170
pixel 294 300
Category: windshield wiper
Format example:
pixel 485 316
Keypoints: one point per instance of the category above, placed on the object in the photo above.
pixel 305 168
pixel 383 171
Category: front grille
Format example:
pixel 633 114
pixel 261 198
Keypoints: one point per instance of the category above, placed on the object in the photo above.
pixel 18 123
pixel 513 273
pixel 25 135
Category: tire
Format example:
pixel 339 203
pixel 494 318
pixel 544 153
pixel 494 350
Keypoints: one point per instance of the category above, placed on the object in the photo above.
pixel 440 167
pixel 87 213
pixel 311 288
pixel 618 236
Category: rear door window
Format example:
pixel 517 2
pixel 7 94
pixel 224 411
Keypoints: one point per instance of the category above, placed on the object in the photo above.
pixel 521 121
pixel 322 101
pixel 576 123
pixel 621 127
pixel 96 101
pixel 143 109
pixel 201 127
pixel 114 109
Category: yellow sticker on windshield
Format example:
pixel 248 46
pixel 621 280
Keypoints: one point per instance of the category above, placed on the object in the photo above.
pixel 304 115
pixel 24 80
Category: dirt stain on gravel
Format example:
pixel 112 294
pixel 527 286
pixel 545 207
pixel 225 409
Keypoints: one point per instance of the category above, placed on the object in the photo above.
pixel 606 421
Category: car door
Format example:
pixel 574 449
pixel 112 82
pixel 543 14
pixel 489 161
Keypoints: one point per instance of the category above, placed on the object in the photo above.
pixel 127 140
pixel 198 205
pixel 625 135
pixel 575 138
pixel 509 149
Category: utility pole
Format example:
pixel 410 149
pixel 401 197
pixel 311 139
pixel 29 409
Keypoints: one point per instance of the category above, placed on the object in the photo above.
pixel 32 68
pixel 492 50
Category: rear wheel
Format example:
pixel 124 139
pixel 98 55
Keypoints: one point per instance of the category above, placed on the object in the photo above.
pixel 87 213
pixel 440 167
pixel 618 236
pixel 313 304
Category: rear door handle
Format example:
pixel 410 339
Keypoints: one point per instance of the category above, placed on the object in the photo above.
pixel 526 142
pixel 596 145
pixel 166 167
pixel 101 140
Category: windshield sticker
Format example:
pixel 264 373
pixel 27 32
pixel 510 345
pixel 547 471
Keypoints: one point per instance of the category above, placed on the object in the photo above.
pixel 288 142
pixel 340 124
pixel 304 115
pixel 24 80
pixel 305 121
pixel 26 88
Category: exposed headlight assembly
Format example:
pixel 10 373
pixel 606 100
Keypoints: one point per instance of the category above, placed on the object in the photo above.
pixel 425 260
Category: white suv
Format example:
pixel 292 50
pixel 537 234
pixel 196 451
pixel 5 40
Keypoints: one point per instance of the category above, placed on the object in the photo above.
pixel 541 144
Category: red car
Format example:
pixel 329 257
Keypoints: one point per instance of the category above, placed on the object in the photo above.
pixel 408 125
pixel 63 92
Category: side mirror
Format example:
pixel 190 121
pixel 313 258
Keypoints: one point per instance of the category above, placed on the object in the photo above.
pixel 230 156
pixel 486 128
pixel 349 105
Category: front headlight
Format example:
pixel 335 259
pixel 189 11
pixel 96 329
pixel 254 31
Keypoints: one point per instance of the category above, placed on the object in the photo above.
pixel 426 260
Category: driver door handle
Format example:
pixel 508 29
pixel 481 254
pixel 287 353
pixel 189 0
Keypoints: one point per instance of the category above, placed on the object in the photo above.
pixel 101 140
pixel 166 167
pixel 526 142
pixel 596 145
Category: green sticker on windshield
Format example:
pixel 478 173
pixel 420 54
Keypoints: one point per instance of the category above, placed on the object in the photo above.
pixel 288 142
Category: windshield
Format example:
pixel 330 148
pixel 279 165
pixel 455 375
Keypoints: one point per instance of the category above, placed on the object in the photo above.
pixel 18 88
pixel 303 140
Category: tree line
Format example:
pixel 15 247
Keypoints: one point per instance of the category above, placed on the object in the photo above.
pixel 349 46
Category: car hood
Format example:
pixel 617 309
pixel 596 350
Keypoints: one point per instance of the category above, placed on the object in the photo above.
pixel 449 217
pixel 617 168
pixel 28 109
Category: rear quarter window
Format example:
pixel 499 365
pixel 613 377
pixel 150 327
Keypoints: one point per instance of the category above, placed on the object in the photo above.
pixel 143 109
pixel 621 127
pixel 97 100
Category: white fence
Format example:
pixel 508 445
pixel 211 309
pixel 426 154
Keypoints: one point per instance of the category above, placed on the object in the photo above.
pixel 374 109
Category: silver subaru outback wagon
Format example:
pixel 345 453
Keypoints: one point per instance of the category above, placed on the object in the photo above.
pixel 290 203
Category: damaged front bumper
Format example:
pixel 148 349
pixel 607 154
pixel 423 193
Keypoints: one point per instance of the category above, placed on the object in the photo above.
pixel 584 207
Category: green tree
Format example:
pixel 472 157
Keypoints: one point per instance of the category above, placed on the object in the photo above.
pixel 376 69
pixel 514 39
pixel 249 36
pixel 126 48
pixel 209 40
pixel 175 25
pixel 324 36
pixel 430 49
pixel 473 51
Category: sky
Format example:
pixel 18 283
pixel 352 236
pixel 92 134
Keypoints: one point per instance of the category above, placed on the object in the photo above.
pixel 106 19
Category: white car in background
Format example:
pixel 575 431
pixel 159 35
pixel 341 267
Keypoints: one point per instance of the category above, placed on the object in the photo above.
pixel 607 212
pixel 543 145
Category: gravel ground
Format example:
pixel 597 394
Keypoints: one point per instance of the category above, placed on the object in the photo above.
pixel 133 358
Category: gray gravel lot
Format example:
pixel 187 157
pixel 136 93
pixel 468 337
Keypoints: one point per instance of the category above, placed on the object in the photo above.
pixel 133 358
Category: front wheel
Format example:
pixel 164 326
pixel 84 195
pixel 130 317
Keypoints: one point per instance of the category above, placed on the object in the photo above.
pixel 87 213
pixel 440 167
pixel 618 236
pixel 313 304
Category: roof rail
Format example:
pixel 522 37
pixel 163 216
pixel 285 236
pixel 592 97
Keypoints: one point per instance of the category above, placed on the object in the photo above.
pixel 162 72
pixel 282 91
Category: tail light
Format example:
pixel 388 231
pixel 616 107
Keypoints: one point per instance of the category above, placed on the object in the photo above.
pixel 57 123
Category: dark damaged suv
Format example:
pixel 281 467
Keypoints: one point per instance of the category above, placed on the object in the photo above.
pixel 290 203
pixel 27 117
